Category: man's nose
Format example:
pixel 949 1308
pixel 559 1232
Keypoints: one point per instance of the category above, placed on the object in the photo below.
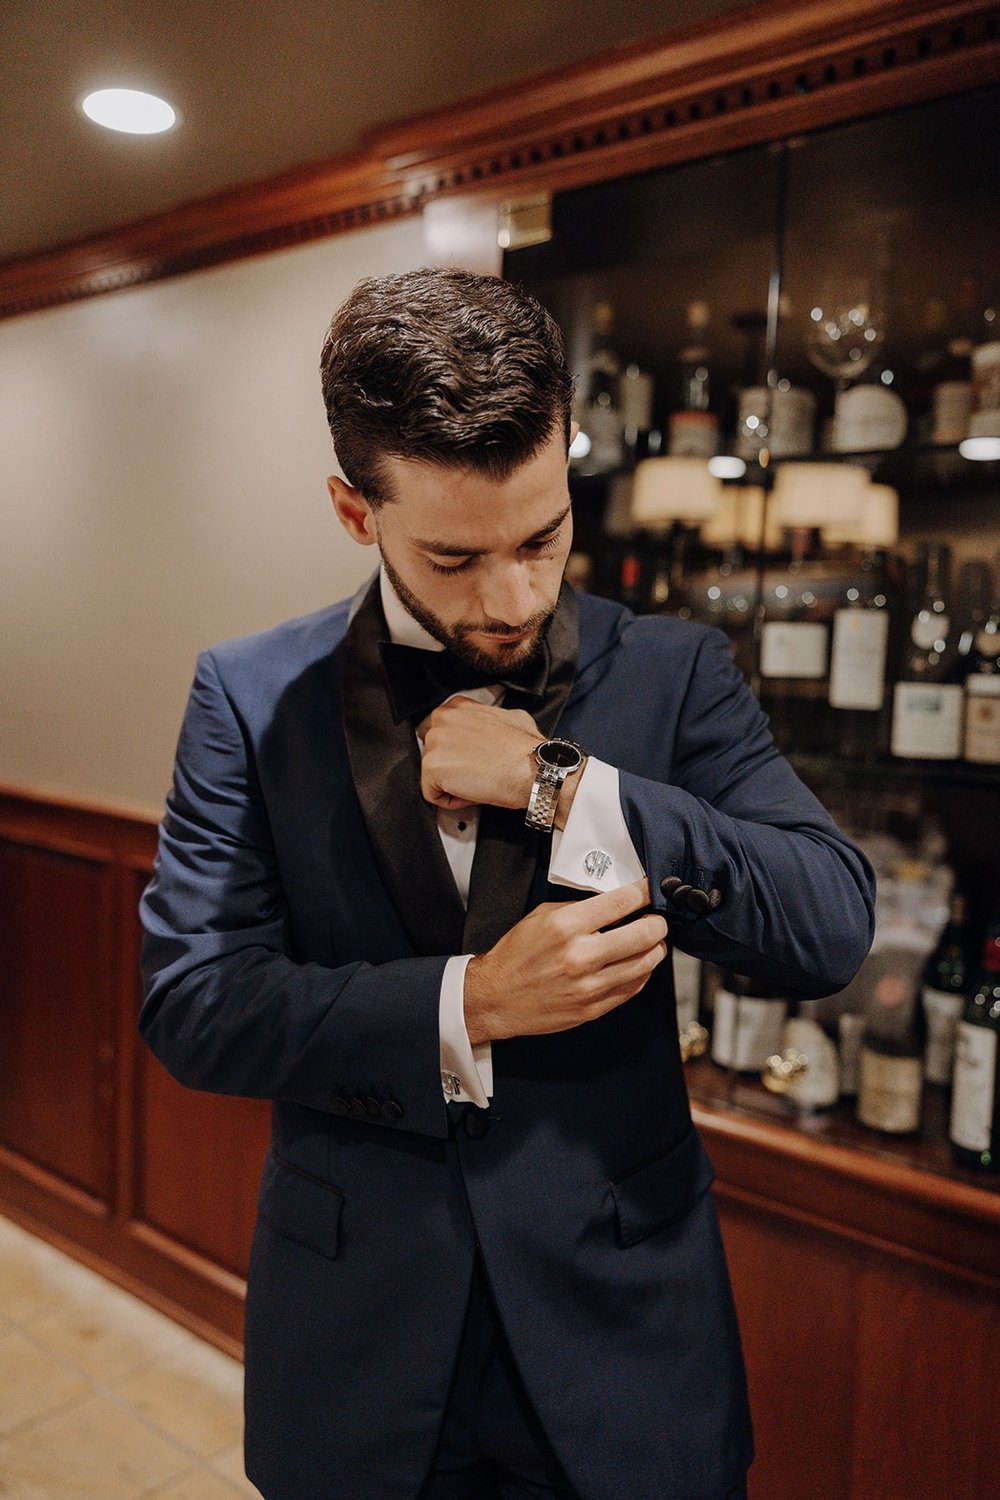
pixel 506 594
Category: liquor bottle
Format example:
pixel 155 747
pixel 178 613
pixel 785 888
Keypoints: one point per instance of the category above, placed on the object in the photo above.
pixel 927 703
pixel 944 988
pixel 693 425
pixel 858 656
pixel 795 648
pixel 748 1018
pixel 975 1101
pixel 889 1084
pixel 952 395
pixel 982 690
pixel 601 416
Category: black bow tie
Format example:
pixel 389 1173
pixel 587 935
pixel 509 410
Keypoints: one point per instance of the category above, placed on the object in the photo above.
pixel 419 680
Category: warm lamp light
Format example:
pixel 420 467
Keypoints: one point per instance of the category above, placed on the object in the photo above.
pixel 879 522
pixel 665 490
pixel 819 495
pixel 740 517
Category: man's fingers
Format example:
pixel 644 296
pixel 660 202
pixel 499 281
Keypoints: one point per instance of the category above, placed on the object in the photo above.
pixel 604 910
pixel 626 942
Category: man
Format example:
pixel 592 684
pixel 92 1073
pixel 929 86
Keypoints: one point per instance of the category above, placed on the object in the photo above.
pixel 486 1263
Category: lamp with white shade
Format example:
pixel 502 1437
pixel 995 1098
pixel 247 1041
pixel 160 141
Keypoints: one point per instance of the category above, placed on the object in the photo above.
pixel 671 495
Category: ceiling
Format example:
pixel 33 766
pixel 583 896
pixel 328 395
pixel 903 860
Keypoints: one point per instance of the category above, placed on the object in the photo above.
pixel 262 87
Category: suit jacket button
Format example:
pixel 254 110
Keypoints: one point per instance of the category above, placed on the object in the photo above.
pixel 358 1106
pixel 681 895
pixel 669 885
pixel 341 1106
pixel 391 1110
pixel 373 1107
pixel 475 1122
pixel 714 898
pixel 699 901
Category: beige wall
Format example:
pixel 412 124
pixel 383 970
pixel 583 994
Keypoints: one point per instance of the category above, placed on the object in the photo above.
pixel 163 454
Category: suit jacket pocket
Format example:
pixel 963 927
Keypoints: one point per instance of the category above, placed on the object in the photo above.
pixel 660 1191
pixel 300 1206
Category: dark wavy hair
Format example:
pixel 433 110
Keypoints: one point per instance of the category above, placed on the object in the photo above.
pixel 443 366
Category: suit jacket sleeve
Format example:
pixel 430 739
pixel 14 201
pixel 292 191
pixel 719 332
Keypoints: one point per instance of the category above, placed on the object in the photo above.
pixel 226 1007
pixel 797 897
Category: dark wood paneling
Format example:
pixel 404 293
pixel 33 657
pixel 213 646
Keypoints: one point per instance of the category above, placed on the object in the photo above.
pixel 868 1375
pixel 798 1297
pixel 57 1017
pixel 769 70
pixel 198 1161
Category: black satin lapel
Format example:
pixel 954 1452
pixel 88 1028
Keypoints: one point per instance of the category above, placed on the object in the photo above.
pixel 507 853
pixel 401 825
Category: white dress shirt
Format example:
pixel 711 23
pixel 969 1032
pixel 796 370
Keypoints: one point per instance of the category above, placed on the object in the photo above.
pixel 595 824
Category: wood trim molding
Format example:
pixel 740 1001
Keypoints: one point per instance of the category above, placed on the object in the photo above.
pixel 766 71
pixel 886 1205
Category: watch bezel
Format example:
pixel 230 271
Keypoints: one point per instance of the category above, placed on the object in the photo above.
pixel 566 766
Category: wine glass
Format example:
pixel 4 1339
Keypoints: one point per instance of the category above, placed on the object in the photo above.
pixel 846 328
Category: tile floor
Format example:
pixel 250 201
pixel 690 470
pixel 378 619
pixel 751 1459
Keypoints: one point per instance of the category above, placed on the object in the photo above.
pixel 101 1397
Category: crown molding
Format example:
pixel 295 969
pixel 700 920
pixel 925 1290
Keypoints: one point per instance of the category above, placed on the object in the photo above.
pixel 767 71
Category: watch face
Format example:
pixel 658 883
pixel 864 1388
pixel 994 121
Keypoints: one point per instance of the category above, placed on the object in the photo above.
pixel 559 753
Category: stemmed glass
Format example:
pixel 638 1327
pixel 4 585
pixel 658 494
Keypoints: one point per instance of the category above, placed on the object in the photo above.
pixel 846 328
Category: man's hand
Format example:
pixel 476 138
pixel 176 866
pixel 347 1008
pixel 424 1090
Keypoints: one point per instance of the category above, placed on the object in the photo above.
pixel 557 968
pixel 475 753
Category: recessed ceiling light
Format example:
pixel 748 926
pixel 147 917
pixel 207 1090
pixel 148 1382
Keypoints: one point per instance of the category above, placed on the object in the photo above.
pixel 129 110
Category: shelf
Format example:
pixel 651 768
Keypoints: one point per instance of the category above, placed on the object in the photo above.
pixel 928 1151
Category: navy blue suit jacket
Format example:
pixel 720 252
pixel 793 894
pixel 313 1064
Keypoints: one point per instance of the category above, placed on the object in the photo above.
pixel 276 965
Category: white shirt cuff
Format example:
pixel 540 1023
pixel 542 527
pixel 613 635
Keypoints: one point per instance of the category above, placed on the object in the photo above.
pixel 595 852
pixel 466 1070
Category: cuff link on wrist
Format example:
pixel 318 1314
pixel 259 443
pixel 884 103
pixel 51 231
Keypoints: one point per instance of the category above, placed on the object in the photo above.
pixel 556 760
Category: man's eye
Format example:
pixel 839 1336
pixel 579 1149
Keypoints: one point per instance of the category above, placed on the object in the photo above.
pixel 546 545
pixel 454 567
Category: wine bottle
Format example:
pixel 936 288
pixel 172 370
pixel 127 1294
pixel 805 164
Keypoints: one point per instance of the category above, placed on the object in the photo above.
pixel 795 649
pixel 694 425
pixel 975 1102
pixel 889 1085
pixel 747 1024
pixel 982 689
pixel 602 418
pixel 858 657
pixel 944 988
pixel 927 703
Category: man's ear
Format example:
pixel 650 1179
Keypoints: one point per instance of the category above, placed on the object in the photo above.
pixel 353 511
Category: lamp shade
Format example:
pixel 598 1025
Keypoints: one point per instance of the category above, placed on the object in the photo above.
pixel 820 495
pixel 878 525
pixel 671 489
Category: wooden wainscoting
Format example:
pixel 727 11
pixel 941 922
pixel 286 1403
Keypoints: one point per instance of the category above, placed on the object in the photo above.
pixel 101 1151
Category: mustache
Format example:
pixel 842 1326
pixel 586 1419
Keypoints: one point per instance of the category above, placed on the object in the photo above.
pixel 533 623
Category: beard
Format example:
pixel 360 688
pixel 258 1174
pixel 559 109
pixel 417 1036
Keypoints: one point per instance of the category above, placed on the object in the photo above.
pixel 507 655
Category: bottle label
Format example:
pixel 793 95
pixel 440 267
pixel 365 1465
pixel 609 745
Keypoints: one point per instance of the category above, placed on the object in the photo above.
pixel 927 720
pixel 746 1030
pixel 942 1010
pixel 793 648
pixel 889 1094
pixel 857 664
pixel 975 1086
pixel 982 729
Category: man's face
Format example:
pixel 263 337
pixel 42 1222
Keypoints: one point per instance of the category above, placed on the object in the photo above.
pixel 477 561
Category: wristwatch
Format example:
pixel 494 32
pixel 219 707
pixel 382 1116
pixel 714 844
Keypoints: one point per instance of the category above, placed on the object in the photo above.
pixel 556 759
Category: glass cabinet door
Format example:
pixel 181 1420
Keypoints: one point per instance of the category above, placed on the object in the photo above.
pixel 807 332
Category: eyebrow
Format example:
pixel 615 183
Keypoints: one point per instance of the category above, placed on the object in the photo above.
pixel 448 549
